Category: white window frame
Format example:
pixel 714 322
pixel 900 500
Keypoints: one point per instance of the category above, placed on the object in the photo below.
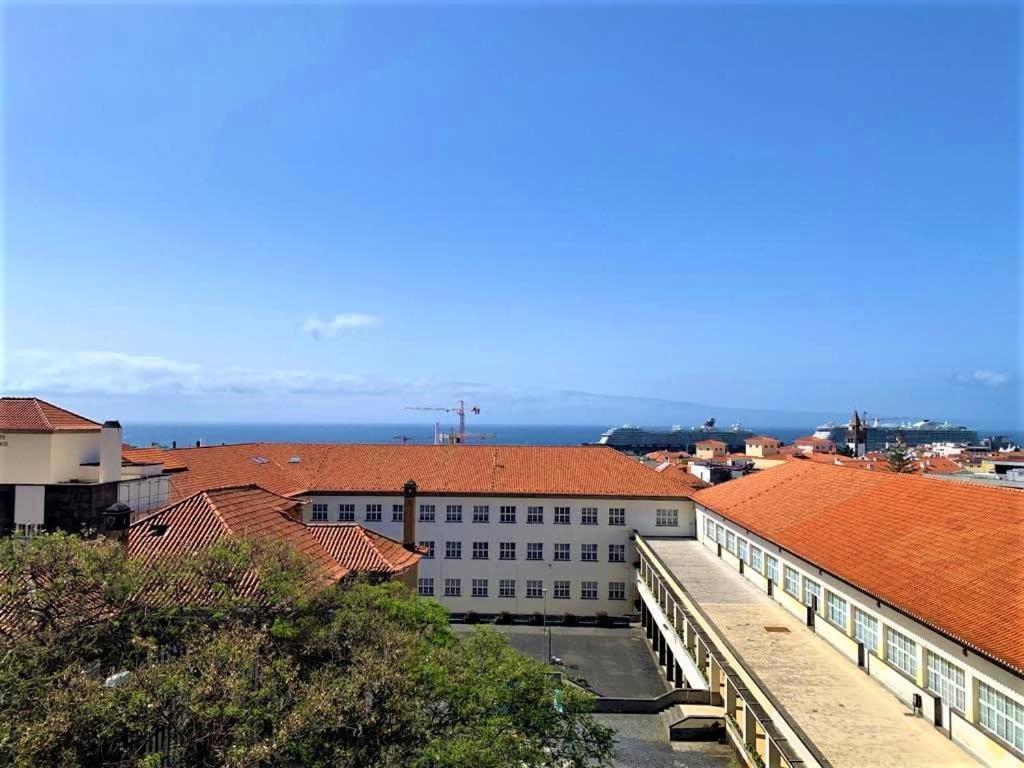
pixel 563 515
pixel 1001 715
pixel 535 550
pixel 588 590
pixel 481 550
pixel 588 516
pixel 561 589
pixel 481 513
pixel 425 586
pixel 506 550
pixel 480 588
pixel 865 629
pixel 346 513
pixel 453 587
pixel 812 589
pixel 616 516
pixel 947 680
pixel 616 553
pixel 791 581
pixel 507 514
pixel 771 568
pixel 453 550
pixel 561 548
pixel 428 513
pixel 535 515
pixel 506 587
pixel 666 518
pixel 534 588
pixel 616 590
pixel 836 609
pixel 901 652
pixel 453 513
pixel 397 513
pixel 588 553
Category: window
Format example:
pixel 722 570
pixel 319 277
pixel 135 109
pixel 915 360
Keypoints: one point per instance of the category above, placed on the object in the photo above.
pixel 900 651
pixel 835 609
pixel 453 550
pixel 534 588
pixel 1001 715
pixel 865 629
pixel 562 516
pixel 453 513
pixel 346 513
pixel 319 513
pixel 616 553
pixel 947 679
pixel 791 581
pixel 771 569
pixel 480 550
pixel 709 529
pixel 425 587
pixel 429 546
pixel 453 587
pixel 617 516
pixel 755 558
pixel 426 513
pixel 397 513
pixel 588 590
pixel 535 551
pixel 812 594
pixel 730 541
pixel 508 514
pixel 561 591
pixel 616 590
pixel 373 513
pixel 588 516
pixel 535 514
pixel 481 513
pixel 507 550
pixel 741 549
pixel 667 517
pixel 507 588
pixel 562 551
pixel 588 553
pixel 479 587
pixel 720 534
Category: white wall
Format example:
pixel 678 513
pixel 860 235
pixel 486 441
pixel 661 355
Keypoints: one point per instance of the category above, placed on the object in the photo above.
pixel 28 504
pixel 24 458
pixel 68 451
pixel 976 668
pixel 640 515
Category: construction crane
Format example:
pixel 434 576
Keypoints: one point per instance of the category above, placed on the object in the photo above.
pixel 453 437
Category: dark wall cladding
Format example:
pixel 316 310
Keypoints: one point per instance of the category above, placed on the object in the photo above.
pixel 76 507
pixel 6 509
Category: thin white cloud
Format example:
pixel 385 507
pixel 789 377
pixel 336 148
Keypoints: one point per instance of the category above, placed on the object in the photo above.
pixel 985 377
pixel 116 373
pixel 320 329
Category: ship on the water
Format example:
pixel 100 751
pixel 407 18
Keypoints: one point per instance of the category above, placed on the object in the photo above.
pixel 879 434
pixel 676 438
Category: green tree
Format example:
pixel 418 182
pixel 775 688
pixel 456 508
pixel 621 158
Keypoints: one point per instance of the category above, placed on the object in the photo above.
pixel 844 450
pixel 98 655
pixel 899 458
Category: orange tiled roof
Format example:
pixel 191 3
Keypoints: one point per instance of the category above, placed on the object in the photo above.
pixel 682 475
pixel 761 439
pixel 210 515
pixel 363 550
pixel 30 414
pixel 812 440
pixel 951 555
pixel 502 470
pixel 711 444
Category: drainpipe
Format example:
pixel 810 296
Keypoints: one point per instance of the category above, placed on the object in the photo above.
pixel 409 514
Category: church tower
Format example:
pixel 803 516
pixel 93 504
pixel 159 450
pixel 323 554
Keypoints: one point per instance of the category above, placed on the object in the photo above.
pixel 857 436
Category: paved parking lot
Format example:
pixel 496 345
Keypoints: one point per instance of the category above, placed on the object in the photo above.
pixel 613 662
pixel 641 740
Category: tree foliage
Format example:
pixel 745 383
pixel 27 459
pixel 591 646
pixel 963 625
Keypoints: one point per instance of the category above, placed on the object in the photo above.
pixel 354 675
pixel 899 458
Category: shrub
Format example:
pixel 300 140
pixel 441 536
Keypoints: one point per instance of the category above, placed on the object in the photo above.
pixel 569 620
pixel 603 620
pixel 537 619
pixel 503 618
pixel 472 617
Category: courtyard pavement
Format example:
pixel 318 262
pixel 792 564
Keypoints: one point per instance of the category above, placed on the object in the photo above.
pixel 613 662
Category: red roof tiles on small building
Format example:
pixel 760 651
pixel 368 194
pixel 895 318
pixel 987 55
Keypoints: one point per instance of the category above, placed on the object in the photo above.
pixel 950 555
pixel 207 516
pixel 30 414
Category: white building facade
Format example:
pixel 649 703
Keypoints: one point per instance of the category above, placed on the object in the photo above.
pixel 494 554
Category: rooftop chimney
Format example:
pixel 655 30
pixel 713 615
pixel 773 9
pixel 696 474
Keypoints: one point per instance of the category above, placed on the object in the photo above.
pixel 409 514
pixel 110 452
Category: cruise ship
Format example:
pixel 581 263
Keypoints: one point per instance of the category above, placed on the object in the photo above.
pixel 678 438
pixel 881 434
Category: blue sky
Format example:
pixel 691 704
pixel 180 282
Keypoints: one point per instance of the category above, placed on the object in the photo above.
pixel 326 213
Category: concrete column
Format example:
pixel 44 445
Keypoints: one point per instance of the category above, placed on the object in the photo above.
pixel 689 635
pixel 922 665
pixel 715 680
pixel 670 664
pixel 749 727
pixel 661 647
pixel 702 655
pixel 680 680
pixel 774 755
pixel 730 698
pixel 972 699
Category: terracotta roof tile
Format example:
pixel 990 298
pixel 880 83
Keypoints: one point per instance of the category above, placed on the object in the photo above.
pixel 437 469
pixel 949 554
pixel 30 414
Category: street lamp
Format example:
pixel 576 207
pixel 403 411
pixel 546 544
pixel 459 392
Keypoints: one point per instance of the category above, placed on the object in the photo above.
pixel 546 627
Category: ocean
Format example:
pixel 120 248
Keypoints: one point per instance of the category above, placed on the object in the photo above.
pixel 143 434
